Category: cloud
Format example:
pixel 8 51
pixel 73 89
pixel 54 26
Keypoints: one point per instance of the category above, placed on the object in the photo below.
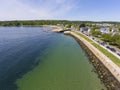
pixel 59 9
pixel 16 10
pixel 35 9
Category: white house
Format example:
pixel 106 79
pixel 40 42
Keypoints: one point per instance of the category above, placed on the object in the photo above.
pixel 104 29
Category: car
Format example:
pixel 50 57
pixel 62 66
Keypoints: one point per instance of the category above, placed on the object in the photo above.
pixel 93 38
pixel 112 49
pixel 118 54
pixel 107 47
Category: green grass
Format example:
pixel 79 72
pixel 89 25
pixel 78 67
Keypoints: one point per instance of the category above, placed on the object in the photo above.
pixel 104 51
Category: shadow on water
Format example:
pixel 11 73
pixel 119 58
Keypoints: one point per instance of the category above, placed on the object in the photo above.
pixel 20 59
pixel 7 81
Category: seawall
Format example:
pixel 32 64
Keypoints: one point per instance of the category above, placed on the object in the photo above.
pixel 108 72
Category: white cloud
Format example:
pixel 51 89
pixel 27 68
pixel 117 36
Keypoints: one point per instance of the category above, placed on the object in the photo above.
pixel 49 9
pixel 17 10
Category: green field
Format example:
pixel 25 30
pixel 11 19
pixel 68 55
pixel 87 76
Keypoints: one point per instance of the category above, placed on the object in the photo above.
pixel 104 51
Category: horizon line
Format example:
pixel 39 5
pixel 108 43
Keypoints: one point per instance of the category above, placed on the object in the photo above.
pixel 59 20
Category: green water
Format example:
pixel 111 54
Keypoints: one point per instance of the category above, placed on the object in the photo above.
pixel 64 66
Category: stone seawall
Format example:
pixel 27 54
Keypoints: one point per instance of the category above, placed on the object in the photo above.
pixel 108 72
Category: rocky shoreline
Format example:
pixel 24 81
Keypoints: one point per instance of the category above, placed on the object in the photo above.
pixel 107 71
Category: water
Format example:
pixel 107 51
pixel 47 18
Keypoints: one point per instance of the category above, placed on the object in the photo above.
pixel 31 59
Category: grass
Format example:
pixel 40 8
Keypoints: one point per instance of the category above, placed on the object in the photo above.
pixel 104 51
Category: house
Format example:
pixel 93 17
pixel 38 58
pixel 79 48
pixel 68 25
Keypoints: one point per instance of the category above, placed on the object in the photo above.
pixel 84 29
pixel 104 29
pixel 114 29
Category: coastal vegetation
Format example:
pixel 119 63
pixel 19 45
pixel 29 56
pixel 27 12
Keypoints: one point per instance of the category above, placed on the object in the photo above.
pixel 39 22
pixel 48 22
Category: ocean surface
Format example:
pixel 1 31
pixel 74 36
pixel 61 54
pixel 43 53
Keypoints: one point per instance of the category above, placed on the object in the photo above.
pixel 32 59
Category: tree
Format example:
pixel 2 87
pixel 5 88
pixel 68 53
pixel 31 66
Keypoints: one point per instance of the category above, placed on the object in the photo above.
pixel 95 33
pixel 107 37
pixel 68 26
pixel 118 42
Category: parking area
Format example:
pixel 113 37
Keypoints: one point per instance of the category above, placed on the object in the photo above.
pixel 111 48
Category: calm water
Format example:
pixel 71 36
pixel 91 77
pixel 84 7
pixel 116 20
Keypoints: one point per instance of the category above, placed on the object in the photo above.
pixel 31 59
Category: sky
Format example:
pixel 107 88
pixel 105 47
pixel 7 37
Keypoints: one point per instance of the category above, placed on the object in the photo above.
pixel 85 10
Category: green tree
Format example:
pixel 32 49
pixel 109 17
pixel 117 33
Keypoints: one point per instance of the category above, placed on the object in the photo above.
pixel 118 42
pixel 95 33
pixel 107 37
pixel 68 26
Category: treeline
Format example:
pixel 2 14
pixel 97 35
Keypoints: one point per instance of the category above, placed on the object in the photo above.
pixel 39 22
pixel 46 22
pixel 28 22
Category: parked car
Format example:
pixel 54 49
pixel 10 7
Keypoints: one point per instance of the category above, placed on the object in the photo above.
pixel 93 38
pixel 107 47
pixel 112 49
pixel 118 54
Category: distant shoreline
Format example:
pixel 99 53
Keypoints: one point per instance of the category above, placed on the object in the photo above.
pixel 55 28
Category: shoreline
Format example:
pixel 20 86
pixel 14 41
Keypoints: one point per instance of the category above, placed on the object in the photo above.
pixel 108 71
pixel 56 28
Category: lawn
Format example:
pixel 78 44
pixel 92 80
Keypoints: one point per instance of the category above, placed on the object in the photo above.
pixel 104 51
